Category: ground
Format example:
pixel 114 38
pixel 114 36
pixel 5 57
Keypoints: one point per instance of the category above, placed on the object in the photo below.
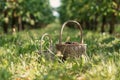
pixel 19 58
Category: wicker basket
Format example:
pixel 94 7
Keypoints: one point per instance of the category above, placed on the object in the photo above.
pixel 71 49
pixel 48 52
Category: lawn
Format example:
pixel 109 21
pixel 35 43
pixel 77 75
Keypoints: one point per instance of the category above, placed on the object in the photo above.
pixel 19 58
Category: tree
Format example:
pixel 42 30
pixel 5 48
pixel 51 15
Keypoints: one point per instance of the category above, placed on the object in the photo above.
pixel 18 13
pixel 90 13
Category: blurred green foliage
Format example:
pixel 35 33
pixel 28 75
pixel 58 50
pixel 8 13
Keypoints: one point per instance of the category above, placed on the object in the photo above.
pixel 32 12
pixel 90 13
pixel 87 9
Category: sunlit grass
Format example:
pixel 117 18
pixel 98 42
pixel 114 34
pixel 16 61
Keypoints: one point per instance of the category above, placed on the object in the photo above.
pixel 19 58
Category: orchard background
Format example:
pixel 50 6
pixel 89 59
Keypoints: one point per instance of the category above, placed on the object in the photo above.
pixel 23 23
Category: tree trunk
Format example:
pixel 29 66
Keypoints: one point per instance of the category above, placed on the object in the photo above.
pixel 111 28
pixel 103 24
pixel 5 25
pixel 13 24
pixel 87 24
pixel 95 23
pixel 5 28
pixel 112 24
pixel 19 23
pixel 23 25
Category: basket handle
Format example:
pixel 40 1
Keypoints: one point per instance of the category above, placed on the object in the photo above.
pixel 42 38
pixel 79 26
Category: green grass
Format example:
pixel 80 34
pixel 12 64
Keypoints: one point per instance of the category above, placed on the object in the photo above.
pixel 19 59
